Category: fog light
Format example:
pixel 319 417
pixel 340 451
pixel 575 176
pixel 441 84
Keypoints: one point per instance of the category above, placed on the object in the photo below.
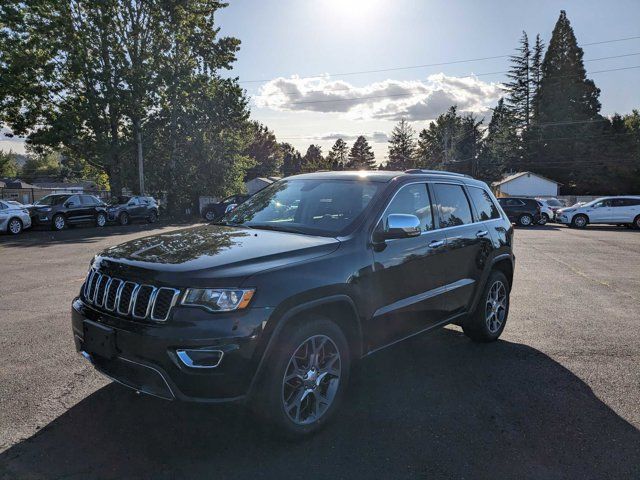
pixel 200 358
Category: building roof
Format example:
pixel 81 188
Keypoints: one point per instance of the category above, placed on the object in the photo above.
pixel 16 183
pixel 518 175
pixel 89 185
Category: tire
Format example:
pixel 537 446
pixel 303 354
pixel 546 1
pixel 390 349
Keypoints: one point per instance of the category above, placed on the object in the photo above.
pixel 14 227
pixel 544 219
pixel 101 220
pixel 287 403
pixel 525 220
pixel 58 222
pixel 123 219
pixel 636 223
pixel 487 322
pixel 153 217
pixel 210 215
pixel 579 221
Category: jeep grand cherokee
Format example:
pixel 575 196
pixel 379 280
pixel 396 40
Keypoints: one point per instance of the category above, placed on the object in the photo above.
pixel 274 303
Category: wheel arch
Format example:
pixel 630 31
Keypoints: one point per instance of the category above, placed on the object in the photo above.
pixel 339 308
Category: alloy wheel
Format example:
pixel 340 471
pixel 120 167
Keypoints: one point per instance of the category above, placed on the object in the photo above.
pixel 101 220
pixel 525 220
pixel 311 380
pixel 580 221
pixel 210 215
pixel 15 226
pixel 59 222
pixel 496 306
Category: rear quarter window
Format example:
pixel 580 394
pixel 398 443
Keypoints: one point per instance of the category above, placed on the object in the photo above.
pixel 485 207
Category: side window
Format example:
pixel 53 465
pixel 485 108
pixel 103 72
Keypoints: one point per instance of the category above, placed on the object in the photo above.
pixel 619 202
pixel 87 200
pixel 484 204
pixel 453 205
pixel 3 206
pixel 75 199
pixel 134 201
pixel 633 202
pixel 412 200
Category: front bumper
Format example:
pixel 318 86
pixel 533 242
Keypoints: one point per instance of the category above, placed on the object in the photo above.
pixel 562 218
pixel 147 354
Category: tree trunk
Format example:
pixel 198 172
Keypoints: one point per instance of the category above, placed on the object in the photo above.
pixel 138 135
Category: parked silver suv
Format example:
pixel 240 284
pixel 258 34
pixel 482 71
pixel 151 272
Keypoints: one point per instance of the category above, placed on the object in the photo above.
pixel 607 210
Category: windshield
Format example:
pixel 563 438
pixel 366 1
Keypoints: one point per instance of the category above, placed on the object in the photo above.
pixel 314 207
pixel 52 200
pixel 552 202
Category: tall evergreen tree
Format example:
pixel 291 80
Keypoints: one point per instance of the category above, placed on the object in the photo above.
pixel 536 74
pixel 313 159
pixel 291 160
pixel 361 155
pixel 499 151
pixel 564 141
pixel 519 84
pixel 402 147
pixel 338 157
pixel 264 150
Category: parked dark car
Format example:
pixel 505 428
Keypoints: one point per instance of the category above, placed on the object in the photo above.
pixel 521 210
pixel 273 304
pixel 124 209
pixel 59 210
pixel 214 211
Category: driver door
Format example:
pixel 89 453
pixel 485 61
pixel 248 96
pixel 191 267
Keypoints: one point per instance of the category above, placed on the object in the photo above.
pixel 600 212
pixel 408 277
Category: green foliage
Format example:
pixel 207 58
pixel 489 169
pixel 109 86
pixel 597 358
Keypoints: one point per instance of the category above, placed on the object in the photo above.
pixel 313 159
pixel 450 143
pixel 500 148
pixel 338 157
pixel 361 155
pixel 402 146
pixel 8 165
pixel 519 84
pixel 264 150
pixel 291 160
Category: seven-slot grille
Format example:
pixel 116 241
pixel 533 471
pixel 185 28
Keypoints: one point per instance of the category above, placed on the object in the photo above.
pixel 141 301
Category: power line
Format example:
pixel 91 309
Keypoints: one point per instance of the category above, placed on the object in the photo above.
pixel 438 64
pixel 348 87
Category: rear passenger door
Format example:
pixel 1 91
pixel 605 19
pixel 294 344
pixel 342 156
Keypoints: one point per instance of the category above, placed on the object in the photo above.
pixel 468 245
pixel 75 211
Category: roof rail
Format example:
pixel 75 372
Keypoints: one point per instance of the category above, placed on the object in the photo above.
pixel 436 172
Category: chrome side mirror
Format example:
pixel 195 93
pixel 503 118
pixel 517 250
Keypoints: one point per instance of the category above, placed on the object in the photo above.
pixel 399 225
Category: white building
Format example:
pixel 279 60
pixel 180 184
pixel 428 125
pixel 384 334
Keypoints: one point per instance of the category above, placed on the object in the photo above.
pixel 526 184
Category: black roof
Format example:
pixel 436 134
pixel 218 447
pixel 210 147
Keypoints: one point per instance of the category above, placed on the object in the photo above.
pixel 386 176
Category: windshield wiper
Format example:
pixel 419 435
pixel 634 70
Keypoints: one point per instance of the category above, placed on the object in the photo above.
pixel 278 228
pixel 231 224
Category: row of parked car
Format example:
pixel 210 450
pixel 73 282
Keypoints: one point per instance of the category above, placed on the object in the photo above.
pixel 62 210
pixel 618 210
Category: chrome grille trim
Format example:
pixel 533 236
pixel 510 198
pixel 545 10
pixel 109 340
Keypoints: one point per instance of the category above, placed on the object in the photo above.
pixel 106 284
pixel 174 299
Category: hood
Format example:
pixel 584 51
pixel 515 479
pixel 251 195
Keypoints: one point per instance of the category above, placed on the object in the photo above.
pixel 200 255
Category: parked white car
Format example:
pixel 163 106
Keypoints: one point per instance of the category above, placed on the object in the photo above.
pixel 548 208
pixel 609 210
pixel 14 217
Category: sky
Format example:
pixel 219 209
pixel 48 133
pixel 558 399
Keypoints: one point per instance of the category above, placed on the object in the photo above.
pixel 284 42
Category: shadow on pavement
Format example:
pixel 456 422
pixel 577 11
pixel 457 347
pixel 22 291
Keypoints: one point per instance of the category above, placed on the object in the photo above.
pixel 42 237
pixel 435 407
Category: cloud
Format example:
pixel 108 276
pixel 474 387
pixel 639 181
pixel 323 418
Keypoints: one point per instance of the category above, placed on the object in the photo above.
pixel 387 100
pixel 376 137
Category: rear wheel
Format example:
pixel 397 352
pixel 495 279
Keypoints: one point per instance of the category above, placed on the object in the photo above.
pixel 306 377
pixel 636 222
pixel 544 218
pixel 123 219
pixel 525 220
pixel 59 222
pixel 487 322
pixel 579 221
pixel 210 215
pixel 15 226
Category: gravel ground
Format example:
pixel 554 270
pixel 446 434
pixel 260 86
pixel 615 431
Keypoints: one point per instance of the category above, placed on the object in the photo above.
pixel 557 397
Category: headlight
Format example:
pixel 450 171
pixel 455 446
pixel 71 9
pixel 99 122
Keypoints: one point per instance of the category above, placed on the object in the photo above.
pixel 48 209
pixel 218 299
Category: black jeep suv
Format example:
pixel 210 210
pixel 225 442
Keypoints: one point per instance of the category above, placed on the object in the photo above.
pixel 521 210
pixel 125 208
pixel 64 209
pixel 274 303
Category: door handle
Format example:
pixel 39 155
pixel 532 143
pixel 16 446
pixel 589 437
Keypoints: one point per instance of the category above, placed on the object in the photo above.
pixel 436 243
pixel 482 233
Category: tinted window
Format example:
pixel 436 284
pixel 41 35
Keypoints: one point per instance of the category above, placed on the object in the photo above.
pixel 75 199
pixel 553 202
pixel 453 206
pixel 2 206
pixel 52 200
pixel 412 200
pixel 484 204
pixel 601 203
pixel 88 200
pixel 632 202
pixel 512 202
pixel 133 201
pixel 312 206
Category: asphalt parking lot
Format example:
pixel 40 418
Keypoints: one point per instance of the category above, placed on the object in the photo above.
pixel 557 397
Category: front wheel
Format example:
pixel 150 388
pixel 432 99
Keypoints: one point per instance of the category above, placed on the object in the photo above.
pixel 210 215
pixel 101 220
pixel 59 222
pixel 544 218
pixel 306 378
pixel 487 322
pixel 153 217
pixel 579 221
pixel 123 219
